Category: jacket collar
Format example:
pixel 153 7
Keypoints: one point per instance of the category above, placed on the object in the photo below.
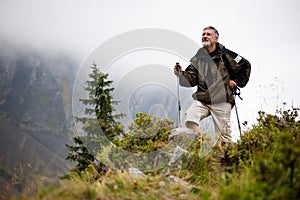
pixel 218 51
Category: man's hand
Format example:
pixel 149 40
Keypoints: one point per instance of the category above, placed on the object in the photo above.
pixel 232 84
pixel 177 69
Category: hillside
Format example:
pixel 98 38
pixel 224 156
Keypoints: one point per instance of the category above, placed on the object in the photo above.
pixel 264 164
pixel 35 117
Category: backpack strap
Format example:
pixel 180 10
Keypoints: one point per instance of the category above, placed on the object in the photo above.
pixel 229 62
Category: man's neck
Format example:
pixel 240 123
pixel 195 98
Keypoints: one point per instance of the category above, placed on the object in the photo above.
pixel 211 48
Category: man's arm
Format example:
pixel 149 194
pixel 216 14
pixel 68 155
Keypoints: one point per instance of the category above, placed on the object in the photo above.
pixel 187 78
pixel 239 68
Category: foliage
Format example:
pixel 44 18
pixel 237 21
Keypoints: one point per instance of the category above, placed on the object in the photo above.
pixel 146 134
pixel 138 146
pixel 263 164
pixel 100 125
pixel 268 156
pixel 103 102
pixel 80 155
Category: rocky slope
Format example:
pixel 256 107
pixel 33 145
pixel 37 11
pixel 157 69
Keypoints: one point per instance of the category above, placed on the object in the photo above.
pixel 35 117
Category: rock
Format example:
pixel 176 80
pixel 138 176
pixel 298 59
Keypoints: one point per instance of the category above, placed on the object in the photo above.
pixel 178 152
pixel 182 137
pixel 136 173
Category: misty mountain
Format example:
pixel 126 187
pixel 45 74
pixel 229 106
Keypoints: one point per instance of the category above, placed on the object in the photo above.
pixel 35 117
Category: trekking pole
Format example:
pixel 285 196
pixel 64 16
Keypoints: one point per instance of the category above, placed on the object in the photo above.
pixel 178 96
pixel 236 92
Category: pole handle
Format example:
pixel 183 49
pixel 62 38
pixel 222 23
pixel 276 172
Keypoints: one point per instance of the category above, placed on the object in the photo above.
pixel 237 92
pixel 177 66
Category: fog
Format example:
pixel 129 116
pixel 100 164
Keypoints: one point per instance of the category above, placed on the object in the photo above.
pixel 265 32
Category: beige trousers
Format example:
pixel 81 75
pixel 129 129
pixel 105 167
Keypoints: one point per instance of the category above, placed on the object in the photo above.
pixel 220 114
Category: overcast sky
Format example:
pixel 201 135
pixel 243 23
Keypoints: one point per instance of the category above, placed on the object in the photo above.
pixel 266 32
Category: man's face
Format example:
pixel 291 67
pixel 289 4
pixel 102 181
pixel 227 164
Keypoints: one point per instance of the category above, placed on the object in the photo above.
pixel 208 38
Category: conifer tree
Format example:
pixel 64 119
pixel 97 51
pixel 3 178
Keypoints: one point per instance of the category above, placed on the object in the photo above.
pixel 100 125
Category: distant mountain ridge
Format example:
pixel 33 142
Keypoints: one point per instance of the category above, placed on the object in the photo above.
pixel 35 117
pixel 33 88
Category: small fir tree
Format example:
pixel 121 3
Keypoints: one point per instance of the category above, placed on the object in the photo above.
pixel 100 125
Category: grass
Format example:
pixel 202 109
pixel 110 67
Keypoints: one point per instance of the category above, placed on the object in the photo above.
pixel 118 185
pixel 263 164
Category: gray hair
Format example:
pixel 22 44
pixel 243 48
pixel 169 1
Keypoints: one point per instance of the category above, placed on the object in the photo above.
pixel 216 33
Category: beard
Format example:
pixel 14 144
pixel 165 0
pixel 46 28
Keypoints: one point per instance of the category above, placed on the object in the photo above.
pixel 206 43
